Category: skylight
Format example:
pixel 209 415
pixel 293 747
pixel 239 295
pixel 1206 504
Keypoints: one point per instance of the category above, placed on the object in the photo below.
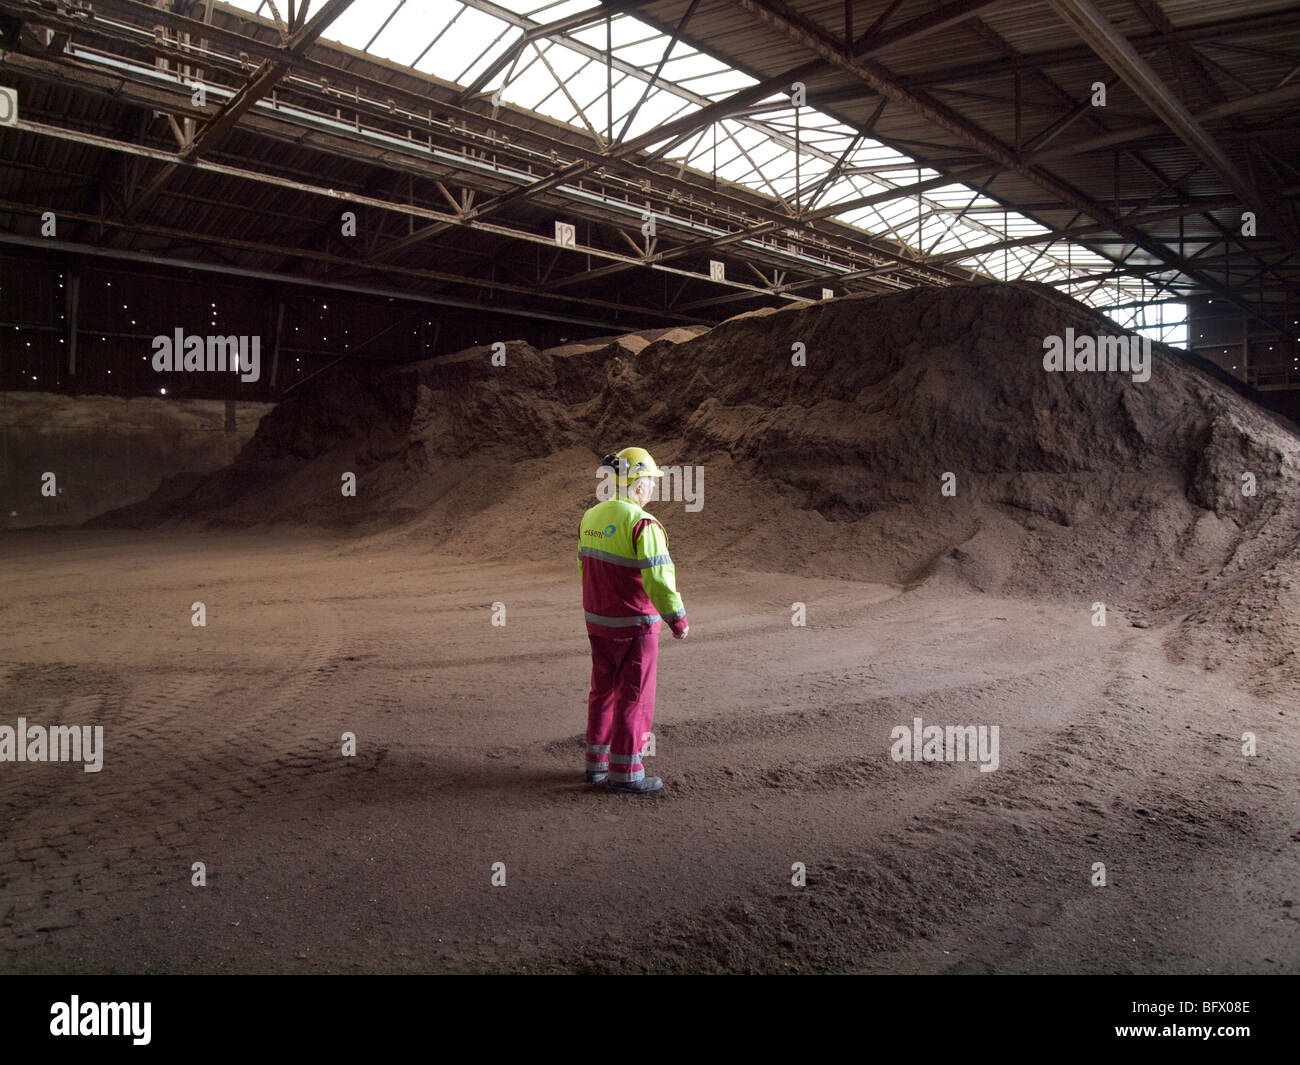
pixel 564 77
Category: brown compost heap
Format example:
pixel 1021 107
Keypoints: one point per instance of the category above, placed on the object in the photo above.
pixel 1068 485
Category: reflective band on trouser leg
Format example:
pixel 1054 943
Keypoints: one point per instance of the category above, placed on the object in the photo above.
pixel 625 768
pixel 634 708
pixel 598 756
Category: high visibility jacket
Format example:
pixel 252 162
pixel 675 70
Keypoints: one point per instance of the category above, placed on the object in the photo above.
pixel 629 584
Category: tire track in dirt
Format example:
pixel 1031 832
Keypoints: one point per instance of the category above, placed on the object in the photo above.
pixel 163 787
pixel 984 874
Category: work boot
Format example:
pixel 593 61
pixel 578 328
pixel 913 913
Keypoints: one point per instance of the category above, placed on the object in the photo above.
pixel 596 776
pixel 644 786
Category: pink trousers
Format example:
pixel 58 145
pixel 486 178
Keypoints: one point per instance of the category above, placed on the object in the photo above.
pixel 621 705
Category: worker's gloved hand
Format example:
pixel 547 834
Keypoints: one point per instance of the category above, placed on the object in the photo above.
pixel 683 634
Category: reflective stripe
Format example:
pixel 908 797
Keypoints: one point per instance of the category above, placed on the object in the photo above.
pixel 619 560
pixel 625 759
pixel 675 616
pixel 598 748
pixel 622 623
pixel 627 778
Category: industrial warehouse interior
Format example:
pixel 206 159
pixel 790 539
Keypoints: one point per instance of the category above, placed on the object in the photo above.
pixel 957 343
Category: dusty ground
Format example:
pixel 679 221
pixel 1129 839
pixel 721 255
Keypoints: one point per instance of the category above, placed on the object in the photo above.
pixel 223 746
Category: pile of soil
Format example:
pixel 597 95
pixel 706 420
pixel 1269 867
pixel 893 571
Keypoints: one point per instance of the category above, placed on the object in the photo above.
pixel 1088 486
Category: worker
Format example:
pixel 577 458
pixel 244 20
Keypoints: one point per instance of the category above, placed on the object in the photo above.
pixel 628 589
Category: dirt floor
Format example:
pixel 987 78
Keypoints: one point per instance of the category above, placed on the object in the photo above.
pixel 1173 500
pixel 222 746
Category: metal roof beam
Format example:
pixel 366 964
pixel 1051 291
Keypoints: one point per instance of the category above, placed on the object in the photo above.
pixel 1180 51
pixel 259 83
pixel 169 96
pixel 1075 232
pixel 92 251
pixel 352 198
pixel 1241 105
pixel 686 124
pixel 537 33
pixel 941 18
pixel 654 78
pixel 305 66
pixel 1113 47
pixel 945 16
pixel 1213 30
pixel 767 228
pixel 885 83
pixel 327 259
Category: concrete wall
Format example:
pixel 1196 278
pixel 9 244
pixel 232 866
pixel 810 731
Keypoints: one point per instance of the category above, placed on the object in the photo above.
pixel 107 451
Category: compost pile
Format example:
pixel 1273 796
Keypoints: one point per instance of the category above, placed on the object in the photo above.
pixel 1089 485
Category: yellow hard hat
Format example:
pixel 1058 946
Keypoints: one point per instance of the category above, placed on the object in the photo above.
pixel 630 464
